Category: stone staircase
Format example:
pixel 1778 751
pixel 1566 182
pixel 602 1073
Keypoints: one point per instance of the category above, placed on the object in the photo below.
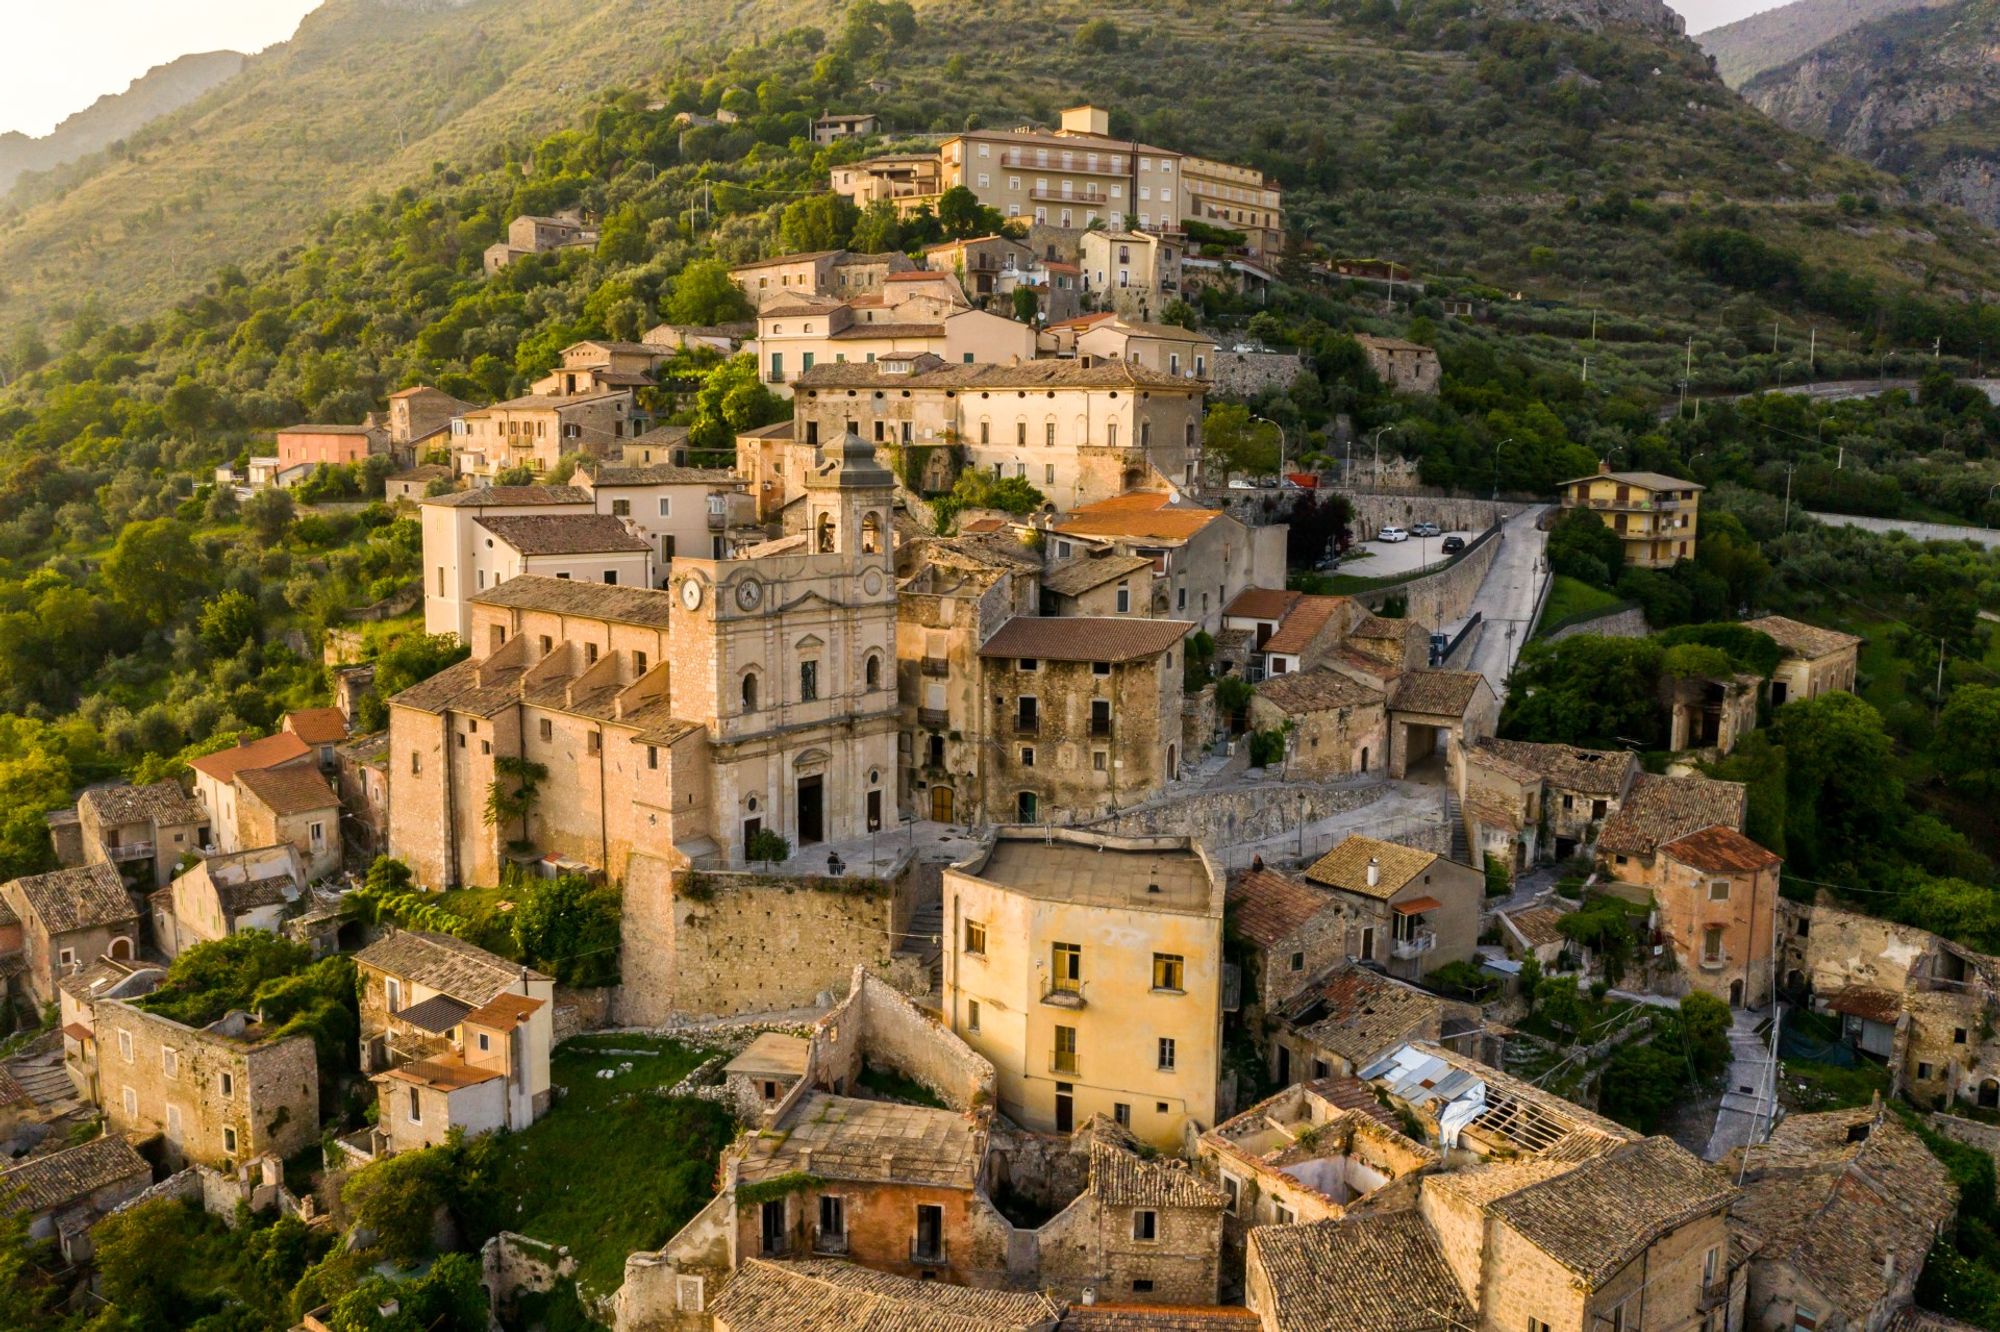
pixel 1461 849
pixel 923 938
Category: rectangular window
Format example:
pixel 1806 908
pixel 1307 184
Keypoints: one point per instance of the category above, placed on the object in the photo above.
pixel 1168 971
pixel 975 938
pixel 972 1015
pixel 1124 600
pixel 808 681
pixel 225 1085
pixel 1065 1051
pixel 416 1107
pixel 547 729
pixel 621 508
pixel 652 758
pixel 1066 968
pixel 1121 1114
pixel 1167 1054
pixel 125 1045
pixel 1027 756
pixel 1048 474
pixel 1298 961
pixel 392 990
pixel 130 1100
pixel 592 742
pixel 1711 944
pixel 1232 1193
pixel 170 1062
pixel 638 663
pixel 590 654
pixel 832 1218
pixel 229 1141
pixel 1283 1216
pixel 1804 1319
pixel 666 506
pixel 1100 760
pixel 1718 890
pixel 1145 1225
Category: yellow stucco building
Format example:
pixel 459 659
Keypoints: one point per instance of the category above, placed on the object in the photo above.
pixel 1653 514
pixel 1088 969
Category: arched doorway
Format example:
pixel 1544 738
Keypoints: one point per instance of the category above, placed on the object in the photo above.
pixel 121 949
pixel 1736 994
pixel 1364 758
pixel 941 801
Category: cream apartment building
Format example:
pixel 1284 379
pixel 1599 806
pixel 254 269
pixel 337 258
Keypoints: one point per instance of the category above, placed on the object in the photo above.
pixel 459 562
pixel 1088 969
pixel 918 313
pixel 537 430
pixel 1078 431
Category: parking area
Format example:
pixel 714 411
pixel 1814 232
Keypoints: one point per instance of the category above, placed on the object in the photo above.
pixel 1387 559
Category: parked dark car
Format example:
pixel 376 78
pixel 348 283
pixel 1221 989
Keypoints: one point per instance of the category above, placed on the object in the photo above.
pixel 1453 545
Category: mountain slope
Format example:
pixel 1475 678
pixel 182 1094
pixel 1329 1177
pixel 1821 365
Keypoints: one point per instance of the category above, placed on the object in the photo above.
pixel 1749 46
pixel 1917 93
pixel 159 90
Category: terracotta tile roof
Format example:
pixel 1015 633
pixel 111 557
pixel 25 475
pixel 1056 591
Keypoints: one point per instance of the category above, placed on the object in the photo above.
pixel 318 726
pixel 1372 340
pixel 659 474
pixel 1346 866
pixel 247 895
pixel 1155 1318
pixel 1316 691
pixel 1349 1093
pixel 801 257
pixel 595 601
pixel 224 764
pixel 1262 603
pixel 295 790
pixel 1143 514
pixel 77 899
pixel 1605 772
pixel 501 497
pixel 1600 1214
pixel 504 1012
pixel 565 534
pixel 1537 925
pixel 1867 1003
pixel 1303 622
pixel 1913 1319
pixel 445 964
pixel 555 402
pixel 447 1073
pixel 989 376
pixel 159 802
pixel 1358 1013
pixel 1084 638
pixel 305 429
pixel 1123 1179
pixel 1803 640
pixel 1838 1195
pixel 1720 850
pixel 1372 625
pixel 1378 1273
pixel 1442 693
pixel 765 1296
pixel 1265 906
pixel 49 1182
pixel 1079 575
pixel 1659 809
pixel 1638 480
pixel 888 328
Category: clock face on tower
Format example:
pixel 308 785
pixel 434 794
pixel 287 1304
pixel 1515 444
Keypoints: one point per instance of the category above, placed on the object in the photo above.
pixel 691 593
pixel 749 594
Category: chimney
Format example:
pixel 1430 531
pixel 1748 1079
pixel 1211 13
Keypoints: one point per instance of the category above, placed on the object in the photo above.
pixel 1374 871
pixel 1604 467
pixel 1257 861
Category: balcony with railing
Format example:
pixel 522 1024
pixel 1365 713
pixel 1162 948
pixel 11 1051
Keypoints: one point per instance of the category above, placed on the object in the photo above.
pixel 1025 726
pixel 927 1253
pixel 825 1242
pixel 1416 944
pixel 1100 727
pixel 1714 1294
pixel 1044 194
pixel 1060 993
pixel 129 851
pixel 934 718
pixel 936 666
pixel 1076 166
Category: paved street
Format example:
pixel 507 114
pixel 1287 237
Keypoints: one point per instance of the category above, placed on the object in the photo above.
pixel 1985 536
pixel 1749 1092
pixel 1386 559
pixel 1507 597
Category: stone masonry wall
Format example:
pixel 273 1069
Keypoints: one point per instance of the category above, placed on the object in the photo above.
pixel 878 1026
pixel 1375 509
pixel 1245 374
pixel 1444 596
pixel 1223 818
pixel 1627 623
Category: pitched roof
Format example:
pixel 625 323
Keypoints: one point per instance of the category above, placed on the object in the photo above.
pixel 1659 809
pixel 1803 640
pixel 1720 850
pixel 224 764
pixel 1358 1013
pixel 447 1073
pixel 1868 1003
pixel 876 1141
pixel 1303 622
pixel 1445 693
pixel 77 899
pixel 1590 771
pixel 1836 1195
pixel 501 497
pixel 1074 577
pixel 1643 480
pixel 1138 514
pixel 801 257
pixel 1376 340
pixel 159 802
pixel 1265 906
pixel 549 401
pixel 296 790
pixel 1536 925
pixel 437 1014
pixel 987 375
pixel 445 964
pixel 318 726
pixel 565 534
pixel 308 429
pixel 566 596
pixel 1084 638
pixel 1262 603
pixel 60 1178
pixel 657 474
pixel 1121 1178
pixel 1346 866
pixel 504 1012
pixel 1597 1216
pixel 1157 1318
pixel 766 1296
pixel 1382 1272
pixel 1316 691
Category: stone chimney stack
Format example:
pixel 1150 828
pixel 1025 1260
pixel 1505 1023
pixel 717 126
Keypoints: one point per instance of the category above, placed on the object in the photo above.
pixel 1374 871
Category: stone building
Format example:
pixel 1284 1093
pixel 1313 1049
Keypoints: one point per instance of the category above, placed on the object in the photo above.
pixel 1432 713
pixel 1711 712
pixel 771 705
pixel 1137 274
pixel 1653 515
pixel 460 558
pixel 221 1095
pixel 1842 1208
pixel 1345 1019
pixel 1526 802
pixel 452 1037
pixel 63 1193
pixel 322 729
pixel 1088 968
pixel 1657 810
pixel 1098 583
pixel 420 420
pixel 216 774
pixel 1291 631
pixel 768 1296
pixel 1077 432
pixel 1377 1272
pixel 599 365
pixel 1339 726
pixel 69 919
pixel 1085 716
pixel 1410 911
pixel 1402 366
pixel 842 273
pixel 979 261
pixel 1167 348
pixel 1816 661
pixel 362 779
pixel 142 830
pixel 228 893
pixel 1287 933
pixel 1717 894
pixel 674 509
pixel 291 806
pixel 1202 558
pixel 924 313
pixel 536 430
pixel 528 234
pixel 585 547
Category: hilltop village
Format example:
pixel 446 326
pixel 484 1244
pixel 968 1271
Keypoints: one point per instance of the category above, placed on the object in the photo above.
pixel 1063 866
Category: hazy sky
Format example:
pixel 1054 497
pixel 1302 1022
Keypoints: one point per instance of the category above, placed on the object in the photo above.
pixel 48 69
pixel 56 60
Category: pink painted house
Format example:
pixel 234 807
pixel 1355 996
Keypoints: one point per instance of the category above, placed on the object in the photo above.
pixel 323 444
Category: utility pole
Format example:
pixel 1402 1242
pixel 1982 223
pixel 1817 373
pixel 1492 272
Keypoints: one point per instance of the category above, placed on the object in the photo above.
pixel 1687 375
pixel 1774 335
pixel 1789 469
pixel 1938 696
pixel 1812 352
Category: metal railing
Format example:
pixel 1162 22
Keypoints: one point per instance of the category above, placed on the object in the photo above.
pixel 825 1243
pixel 1414 946
pixel 927 1255
pixel 935 718
pixel 130 851
pixel 936 666
pixel 1027 726
pixel 1059 993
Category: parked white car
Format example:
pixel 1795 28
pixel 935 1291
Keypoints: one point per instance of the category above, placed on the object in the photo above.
pixel 1392 534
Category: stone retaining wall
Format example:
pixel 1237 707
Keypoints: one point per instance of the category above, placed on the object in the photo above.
pixel 1629 622
pixel 1442 597
pixel 1245 374
pixel 1374 509
pixel 1246 814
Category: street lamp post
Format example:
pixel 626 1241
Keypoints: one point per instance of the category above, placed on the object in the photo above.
pixel 1380 431
pixel 1496 464
pixel 1281 445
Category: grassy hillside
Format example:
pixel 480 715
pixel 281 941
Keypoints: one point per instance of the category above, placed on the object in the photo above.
pixel 1534 157
pixel 1748 47
pixel 157 92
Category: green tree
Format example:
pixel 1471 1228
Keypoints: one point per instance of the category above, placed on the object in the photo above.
pixel 268 514
pixel 1595 692
pixel 878 229
pixel 570 928
pixel 622 238
pixel 414 658
pixel 1581 546
pixel 1027 305
pixel 1842 795
pixel 731 400
pixel 1971 761
pixel 705 294
pixel 975 489
pixel 207 980
pixel 27 1295
pixel 448 1298
pixel 401 1198
pixel 818 222
pixel 228 622
pixel 152 570
pixel 513 791
pixel 1236 445
pixel 961 214
pixel 1099 36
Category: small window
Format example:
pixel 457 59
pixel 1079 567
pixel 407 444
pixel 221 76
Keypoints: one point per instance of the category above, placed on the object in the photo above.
pixel 590 654
pixel 125 1046
pixel 547 729
pixel 416 1107
pixel 1029 664
pixel 1232 1193
pixel 1064 1058
pixel 229 1141
pixel 652 757
pixel 1027 756
pixel 1958 1036
pixel 1142 1285
pixel 485 1041
pixel 1283 1216
pixel 975 938
pixel 1168 971
pixel 1718 890
pixel 130 1100
pixel 225 1085
pixel 1121 1113
pixel 593 742
pixel 638 663
pixel 1145 1226
pixel 170 1062
pixel 1100 668
pixel 1298 961
pixel 808 681
pixel 416 762
pixel 1167 1054
pixel 972 1015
